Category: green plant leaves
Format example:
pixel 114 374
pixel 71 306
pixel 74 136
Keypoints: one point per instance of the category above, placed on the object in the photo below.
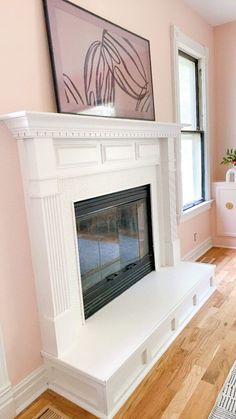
pixel 230 157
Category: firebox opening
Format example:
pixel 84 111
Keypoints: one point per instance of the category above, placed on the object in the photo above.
pixel 114 234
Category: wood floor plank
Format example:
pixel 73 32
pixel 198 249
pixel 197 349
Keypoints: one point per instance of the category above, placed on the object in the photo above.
pixel 200 404
pixel 184 393
pixel 209 321
pixel 222 362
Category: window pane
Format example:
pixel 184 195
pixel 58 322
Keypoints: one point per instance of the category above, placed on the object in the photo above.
pixel 191 157
pixel 187 92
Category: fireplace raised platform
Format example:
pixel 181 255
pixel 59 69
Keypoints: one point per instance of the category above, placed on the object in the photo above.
pixel 121 342
pixel 66 159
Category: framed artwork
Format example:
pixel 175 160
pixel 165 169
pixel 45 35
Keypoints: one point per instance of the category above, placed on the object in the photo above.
pixel 98 67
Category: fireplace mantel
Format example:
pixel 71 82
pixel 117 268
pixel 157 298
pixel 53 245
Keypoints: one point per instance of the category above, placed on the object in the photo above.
pixel 54 125
pixel 68 158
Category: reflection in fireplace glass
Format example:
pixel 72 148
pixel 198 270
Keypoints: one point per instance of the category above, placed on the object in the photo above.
pixel 114 234
pixel 111 239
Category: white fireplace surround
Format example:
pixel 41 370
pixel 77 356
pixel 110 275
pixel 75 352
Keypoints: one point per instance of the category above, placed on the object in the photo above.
pixel 67 158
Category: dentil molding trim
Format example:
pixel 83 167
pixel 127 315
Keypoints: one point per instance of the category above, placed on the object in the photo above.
pixel 52 125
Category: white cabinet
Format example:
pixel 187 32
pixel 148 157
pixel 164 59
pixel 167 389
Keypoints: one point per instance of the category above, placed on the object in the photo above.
pixel 225 213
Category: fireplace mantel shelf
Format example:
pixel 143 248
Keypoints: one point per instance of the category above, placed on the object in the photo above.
pixel 45 124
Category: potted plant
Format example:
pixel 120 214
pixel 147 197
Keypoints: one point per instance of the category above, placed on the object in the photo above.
pixel 230 159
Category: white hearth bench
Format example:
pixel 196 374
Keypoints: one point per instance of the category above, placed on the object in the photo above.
pixel 98 362
pixel 121 342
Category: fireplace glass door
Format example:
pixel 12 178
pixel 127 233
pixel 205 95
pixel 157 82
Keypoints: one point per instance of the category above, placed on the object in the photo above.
pixel 114 244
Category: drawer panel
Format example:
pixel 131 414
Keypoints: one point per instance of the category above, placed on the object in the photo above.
pixel 204 288
pixel 160 337
pixel 186 308
pixel 127 374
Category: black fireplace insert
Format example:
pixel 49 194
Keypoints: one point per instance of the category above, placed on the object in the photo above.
pixel 115 246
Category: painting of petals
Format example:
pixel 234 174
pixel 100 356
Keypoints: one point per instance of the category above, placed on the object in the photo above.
pixel 98 67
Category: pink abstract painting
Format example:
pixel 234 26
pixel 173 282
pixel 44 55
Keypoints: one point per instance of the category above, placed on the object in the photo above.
pixel 98 67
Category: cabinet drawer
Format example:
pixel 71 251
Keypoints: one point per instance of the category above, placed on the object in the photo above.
pixel 226 212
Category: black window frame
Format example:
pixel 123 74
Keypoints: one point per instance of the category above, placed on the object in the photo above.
pixel 198 129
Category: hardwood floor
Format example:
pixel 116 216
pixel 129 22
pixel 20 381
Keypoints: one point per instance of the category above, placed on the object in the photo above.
pixel 186 380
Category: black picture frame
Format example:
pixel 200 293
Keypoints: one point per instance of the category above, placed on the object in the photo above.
pixel 98 67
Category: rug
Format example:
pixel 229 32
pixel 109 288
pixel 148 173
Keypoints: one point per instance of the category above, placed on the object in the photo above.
pixel 225 407
pixel 49 412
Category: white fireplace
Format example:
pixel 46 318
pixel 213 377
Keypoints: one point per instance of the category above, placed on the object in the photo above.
pixel 66 159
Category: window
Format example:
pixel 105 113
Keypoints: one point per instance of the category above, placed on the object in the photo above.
pixel 190 76
pixel 192 137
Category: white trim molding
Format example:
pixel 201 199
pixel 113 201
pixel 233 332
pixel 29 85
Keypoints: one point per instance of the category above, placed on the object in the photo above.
pixel 7 408
pixel 4 380
pixel 15 399
pixel 193 212
pixel 7 404
pixel 180 41
pixel 30 388
pixel 198 251
pixel 25 125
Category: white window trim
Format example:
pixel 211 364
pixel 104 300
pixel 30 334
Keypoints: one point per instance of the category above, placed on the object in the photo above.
pixel 180 41
pixel 198 209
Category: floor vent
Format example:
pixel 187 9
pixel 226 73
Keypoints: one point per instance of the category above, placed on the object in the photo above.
pixel 50 412
pixel 207 259
pixel 225 407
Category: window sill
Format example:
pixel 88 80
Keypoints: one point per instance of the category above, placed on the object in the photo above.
pixel 193 212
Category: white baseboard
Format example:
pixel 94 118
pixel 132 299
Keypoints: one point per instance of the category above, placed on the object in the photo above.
pixel 7 404
pixel 15 399
pixel 30 388
pixel 198 251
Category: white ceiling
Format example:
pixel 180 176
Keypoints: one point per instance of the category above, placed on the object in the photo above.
pixel 216 12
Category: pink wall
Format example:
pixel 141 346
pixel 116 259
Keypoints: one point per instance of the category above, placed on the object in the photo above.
pixel 225 64
pixel 26 83
pixel 201 225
